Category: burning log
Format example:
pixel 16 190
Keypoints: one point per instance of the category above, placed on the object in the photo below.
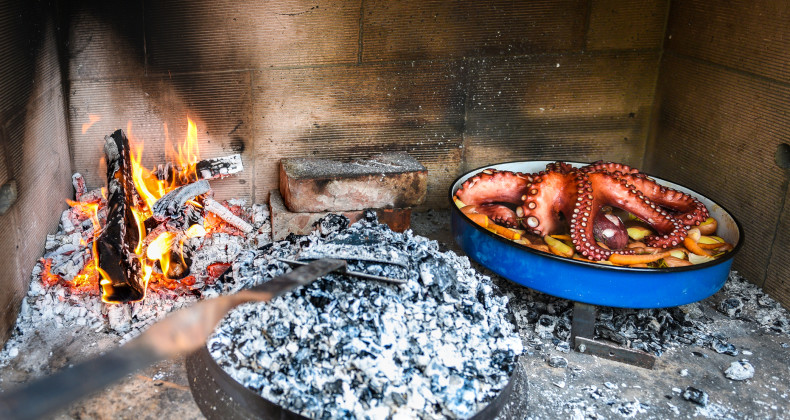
pixel 173 208
pixel 223 213
pixel 115 246
pixel 208 169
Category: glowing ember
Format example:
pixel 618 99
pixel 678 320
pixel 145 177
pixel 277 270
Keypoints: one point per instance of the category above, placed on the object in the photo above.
pixel 47 277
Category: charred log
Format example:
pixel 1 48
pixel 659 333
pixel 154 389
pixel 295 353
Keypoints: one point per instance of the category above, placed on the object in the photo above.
pixel 209 169
pixel 174 210
pixel 115 245
pixel 172 204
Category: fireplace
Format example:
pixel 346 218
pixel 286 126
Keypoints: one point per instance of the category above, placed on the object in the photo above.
pixel 692 92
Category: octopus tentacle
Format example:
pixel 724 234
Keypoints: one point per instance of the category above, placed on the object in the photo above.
pixel 544 201
pixel 610 167
pixel 498 213
pixel 691 211
pixel 588 205
pixel 618 192
pixel 493 186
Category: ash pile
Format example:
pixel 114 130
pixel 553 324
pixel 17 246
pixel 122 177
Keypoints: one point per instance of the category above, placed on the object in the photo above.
pixel 703 372
pixel 442 344
pixel 547 320
pixel 64 297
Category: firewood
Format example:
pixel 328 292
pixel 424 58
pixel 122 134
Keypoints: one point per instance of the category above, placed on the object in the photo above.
pixel 79 185
pixel 208 169
pixel 116 244
pixel 173 204
pixel 223 213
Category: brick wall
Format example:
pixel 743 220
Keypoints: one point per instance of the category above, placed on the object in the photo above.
pixel 720 115
pixel 456 84
pixel 34 155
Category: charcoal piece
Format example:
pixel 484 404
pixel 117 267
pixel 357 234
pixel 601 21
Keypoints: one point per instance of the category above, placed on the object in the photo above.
pixel 218 168
pixel 697 396
pixel 332 223
pixel 740 370
pixel 563 329
pixel 780 325
pixel 723 347
pixel 610 332
pixel 558 362
pixel 78 181
pixel 438 273
pixel 171 205
pixel 117 241
pixel 225 214
pixel 208 169
pixel 544 328
pixel 731 307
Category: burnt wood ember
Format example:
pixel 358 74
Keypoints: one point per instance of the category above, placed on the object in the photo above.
pixel 79 185
pixel 223 213
pixel 173 205
pixel 208 169
pixel 117 241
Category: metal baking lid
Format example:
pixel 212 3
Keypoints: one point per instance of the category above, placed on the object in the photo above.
pixel 587 282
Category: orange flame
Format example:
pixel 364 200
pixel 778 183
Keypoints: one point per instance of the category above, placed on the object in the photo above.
pixel 90 210
pixel 151 189
pixel 92 119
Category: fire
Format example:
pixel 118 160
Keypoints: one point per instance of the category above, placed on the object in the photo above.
pixel 92 119
pixel 90 210
pixel 150 189
pixel 159 249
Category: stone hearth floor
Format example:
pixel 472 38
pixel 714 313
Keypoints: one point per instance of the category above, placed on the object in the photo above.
pixel 587 387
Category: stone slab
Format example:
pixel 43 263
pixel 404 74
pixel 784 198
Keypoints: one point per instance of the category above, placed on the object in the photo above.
pixel 285 221
pixel 389 180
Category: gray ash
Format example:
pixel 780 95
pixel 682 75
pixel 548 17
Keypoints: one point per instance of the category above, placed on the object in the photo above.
pixel 60 311
pixel 695 395
pixel 653 330
pixel 441 345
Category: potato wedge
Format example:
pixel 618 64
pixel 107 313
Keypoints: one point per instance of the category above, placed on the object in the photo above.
pixel 558 247
pixel 708 226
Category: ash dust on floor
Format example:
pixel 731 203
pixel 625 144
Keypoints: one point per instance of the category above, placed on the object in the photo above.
pixel 159 392
pixel 582 386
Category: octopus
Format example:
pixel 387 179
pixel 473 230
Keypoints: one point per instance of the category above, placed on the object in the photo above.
pixel 564 198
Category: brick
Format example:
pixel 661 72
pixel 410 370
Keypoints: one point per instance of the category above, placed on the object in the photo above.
pixel 390 180
pixel 285 221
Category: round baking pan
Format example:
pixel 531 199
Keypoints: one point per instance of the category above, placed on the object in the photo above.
pixel 588 282
pixel 220 397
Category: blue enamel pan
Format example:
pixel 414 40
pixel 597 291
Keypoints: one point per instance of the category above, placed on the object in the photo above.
pixel 592 283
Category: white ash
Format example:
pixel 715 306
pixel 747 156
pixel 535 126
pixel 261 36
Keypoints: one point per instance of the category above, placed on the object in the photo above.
pixel 740 370
pixel 652 330
pixel 55 311
pixel 440 345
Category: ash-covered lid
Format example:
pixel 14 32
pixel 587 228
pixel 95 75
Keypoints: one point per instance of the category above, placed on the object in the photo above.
pixel 441 345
